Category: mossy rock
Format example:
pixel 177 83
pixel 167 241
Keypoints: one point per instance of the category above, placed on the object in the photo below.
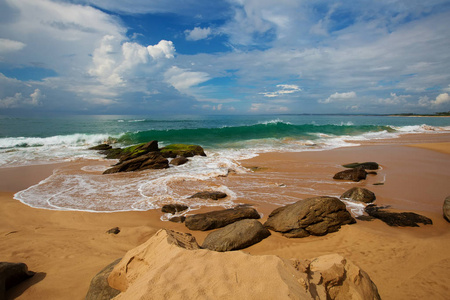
pixel 132 151
pixel 174 150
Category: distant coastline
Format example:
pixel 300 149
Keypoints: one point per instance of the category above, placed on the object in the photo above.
pixel 438 114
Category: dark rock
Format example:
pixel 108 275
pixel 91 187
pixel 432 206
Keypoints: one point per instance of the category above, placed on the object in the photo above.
pixel 220 218
pixel 446 208
pixel 365 218
pixel 101 147
pixel 397 219
pixel 151 160
pixel 114 230
pixel 215 195
pixel 378 183
pixel 372 173
pixel 99 288
pixel 359 194
pixel 181 160
pixel 365 165
pixel 239 235
pixel 113 153
pixel 355 174
pixel 312 216
pixel 138 150
pixel 12 274
pixel 182 150
pixel 174 208
pixel 178 219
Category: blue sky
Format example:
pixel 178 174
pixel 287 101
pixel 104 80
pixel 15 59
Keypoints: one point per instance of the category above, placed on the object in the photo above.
pixel 224 57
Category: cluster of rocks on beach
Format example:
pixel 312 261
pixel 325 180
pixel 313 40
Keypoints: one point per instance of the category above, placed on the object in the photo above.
pixel 325 277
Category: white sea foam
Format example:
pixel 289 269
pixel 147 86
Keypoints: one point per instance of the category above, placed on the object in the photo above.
pixel 87 190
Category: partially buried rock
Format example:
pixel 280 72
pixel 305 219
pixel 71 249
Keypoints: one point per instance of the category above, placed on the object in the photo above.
pixel 312 216
pixel 355 174
pixel 239 235
pixel 403 219
pixel 446 209
pixel 178 219
pixel 114 230
pixel 359 194
pixel 220 218
pixel 178 161
pixel 214 195
pixel 151 160
pixel 12 274
pixel 174 208
pixel 99 288
pixel 365 165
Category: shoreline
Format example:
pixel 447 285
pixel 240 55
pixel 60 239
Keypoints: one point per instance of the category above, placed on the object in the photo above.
pixel 67 248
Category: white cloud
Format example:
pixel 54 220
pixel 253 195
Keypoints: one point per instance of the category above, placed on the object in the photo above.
pixel 7 45
pixel 198 33
pixel 182 79
pixel 36 97
pixel 284 89
pixel 164 49
pixel 336 97
pixel 439 101
pixel 104 62
pixel 267 108
pixel 18 100
pixel 394 99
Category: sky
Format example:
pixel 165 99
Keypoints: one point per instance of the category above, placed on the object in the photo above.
pixel 224 56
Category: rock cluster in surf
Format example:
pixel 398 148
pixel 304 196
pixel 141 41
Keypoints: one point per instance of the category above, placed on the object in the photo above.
pixel 148 156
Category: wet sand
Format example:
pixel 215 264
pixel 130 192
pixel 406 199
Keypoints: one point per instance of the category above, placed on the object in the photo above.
pixel 67 248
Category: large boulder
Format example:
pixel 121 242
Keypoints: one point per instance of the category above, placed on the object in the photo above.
pixel 220 218
pixel 170 266
pixel 12 274
pixel 312 216
pixel 370 165
pixel 151 160
pixel 138 150
pixel 355 174
pixel 214 195
pixel 359 194
pixel 402 219
pixel 99 288
pixel 446 209
pixel 239 235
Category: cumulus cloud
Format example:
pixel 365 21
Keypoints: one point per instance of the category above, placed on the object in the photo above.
pixel 20 101
pixel 7 45
pixel 164 49
pixel 284 89
pixel 336 97
pixel 198 33
pixel 440 100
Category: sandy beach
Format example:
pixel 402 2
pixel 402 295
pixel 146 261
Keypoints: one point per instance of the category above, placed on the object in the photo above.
pixel 67 248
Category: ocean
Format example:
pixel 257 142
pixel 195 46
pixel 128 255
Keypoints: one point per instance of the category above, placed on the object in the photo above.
pixel 226 140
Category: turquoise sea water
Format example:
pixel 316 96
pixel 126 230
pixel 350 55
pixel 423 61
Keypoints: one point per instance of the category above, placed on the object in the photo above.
pixel 226 139
pixel 40 140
